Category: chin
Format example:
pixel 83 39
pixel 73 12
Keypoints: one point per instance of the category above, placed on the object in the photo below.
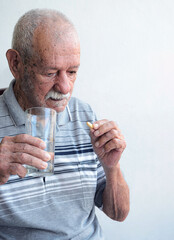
pixel 57 106
pixel 59 109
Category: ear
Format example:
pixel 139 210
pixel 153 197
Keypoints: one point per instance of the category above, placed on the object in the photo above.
pixel 14 62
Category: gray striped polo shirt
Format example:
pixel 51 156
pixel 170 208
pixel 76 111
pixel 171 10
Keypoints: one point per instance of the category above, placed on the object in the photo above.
pixel 61 206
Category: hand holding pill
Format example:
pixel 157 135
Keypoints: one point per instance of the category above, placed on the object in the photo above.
pixel 108 142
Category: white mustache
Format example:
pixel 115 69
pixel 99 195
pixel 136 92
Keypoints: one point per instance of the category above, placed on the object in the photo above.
pixel 57 95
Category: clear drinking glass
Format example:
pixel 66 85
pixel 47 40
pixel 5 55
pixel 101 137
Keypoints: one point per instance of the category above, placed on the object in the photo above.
pixel 41 123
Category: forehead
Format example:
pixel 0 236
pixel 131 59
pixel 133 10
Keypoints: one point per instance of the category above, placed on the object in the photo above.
pixel 51 46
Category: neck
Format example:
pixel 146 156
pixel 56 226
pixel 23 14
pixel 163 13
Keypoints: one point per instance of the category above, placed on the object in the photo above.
pixel 20 95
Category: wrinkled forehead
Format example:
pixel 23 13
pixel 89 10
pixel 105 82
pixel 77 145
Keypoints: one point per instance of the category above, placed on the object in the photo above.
pixel 51 46
pixel 55 35
pixel 55 46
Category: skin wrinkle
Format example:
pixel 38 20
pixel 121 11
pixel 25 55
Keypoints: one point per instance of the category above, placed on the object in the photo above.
pixel 59 53
pixel 59 33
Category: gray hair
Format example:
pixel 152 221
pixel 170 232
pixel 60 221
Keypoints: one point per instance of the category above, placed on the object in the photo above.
pixel 24 29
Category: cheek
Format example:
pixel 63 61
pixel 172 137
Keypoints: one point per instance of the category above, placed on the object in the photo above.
pixel 72 82
pixel 43 88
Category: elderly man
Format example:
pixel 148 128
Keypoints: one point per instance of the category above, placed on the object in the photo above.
pixel 44 61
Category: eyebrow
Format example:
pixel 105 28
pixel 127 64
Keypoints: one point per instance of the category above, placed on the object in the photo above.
pixel 77 66
pixel 54 68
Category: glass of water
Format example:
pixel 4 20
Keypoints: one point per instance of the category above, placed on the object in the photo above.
pixel 41 123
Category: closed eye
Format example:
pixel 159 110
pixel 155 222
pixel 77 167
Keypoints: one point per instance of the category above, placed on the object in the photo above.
pixel 72 72
pixel 50 74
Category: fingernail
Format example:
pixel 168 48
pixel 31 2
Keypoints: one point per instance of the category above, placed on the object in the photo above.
pixel 44 165
pixel 47 156
pixel 43 145
pixel 97 144
pixel 95 125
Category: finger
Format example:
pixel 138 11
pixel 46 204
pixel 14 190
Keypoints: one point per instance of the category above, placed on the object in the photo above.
pixel 17 169
pixel 9 145
pixel 115 144
pixel 25 138
pixel 105 127
pixel 24 158
pixel 96 125
pixel 99 123
pixel 31 150
pixel 4 179
pixel 107 137
pixel 14 169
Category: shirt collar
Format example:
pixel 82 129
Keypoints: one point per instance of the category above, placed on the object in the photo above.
pixel 64 117
pixel 18 115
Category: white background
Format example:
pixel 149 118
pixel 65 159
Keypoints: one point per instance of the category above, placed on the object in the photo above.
pixel 126 74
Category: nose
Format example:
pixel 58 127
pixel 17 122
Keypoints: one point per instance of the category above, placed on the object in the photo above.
pixel 62 83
